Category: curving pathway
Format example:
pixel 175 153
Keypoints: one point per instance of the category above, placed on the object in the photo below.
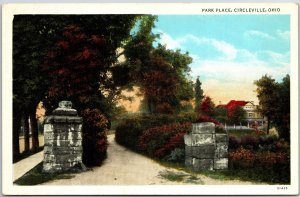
pixel 124 167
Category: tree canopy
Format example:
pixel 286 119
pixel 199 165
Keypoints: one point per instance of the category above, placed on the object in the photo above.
pixel 161 73
pixel 274 100
pixel 58 56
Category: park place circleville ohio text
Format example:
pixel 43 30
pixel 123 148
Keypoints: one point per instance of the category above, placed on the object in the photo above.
pixel 241 10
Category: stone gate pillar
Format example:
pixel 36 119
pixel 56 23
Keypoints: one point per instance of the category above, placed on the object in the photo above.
pixel 63 140
pixel 205 149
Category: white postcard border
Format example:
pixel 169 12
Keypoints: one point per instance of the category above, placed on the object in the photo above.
pixel 140 8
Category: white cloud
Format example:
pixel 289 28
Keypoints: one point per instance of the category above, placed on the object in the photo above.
pixel 232 73
pixel 255 33
pixel 167 40
pixel 279 34
pixel 285 35
pixel 228 51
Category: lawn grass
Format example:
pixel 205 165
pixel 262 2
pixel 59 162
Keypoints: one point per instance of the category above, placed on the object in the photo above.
pixel 239 133
pixel 252 175
pixel 35 176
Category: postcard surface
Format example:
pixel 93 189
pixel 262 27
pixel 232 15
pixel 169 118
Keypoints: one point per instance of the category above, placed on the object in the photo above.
pixel 150 98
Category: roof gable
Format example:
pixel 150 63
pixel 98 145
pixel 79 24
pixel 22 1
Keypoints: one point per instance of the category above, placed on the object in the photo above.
pixel 234 103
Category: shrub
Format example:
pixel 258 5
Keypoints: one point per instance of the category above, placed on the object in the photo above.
pixel 233 142
pixel 131 128
pixel 263 165
pixel 250 142
pixel 156 138
pixel 128 132
pixel 282 145
pixel 242 158
pixel 94 142
pixel 186 117
pixel 175 142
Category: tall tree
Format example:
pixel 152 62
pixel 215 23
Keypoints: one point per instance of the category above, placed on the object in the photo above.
pixel 36 36
pixel 282 119
pixel 198 94
pixel 161 73
pixel 30 43
pixel 83 68
pixel 267 93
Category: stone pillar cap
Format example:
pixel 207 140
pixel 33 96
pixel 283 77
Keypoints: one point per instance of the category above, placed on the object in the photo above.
pixel 65 109
pixel 65 104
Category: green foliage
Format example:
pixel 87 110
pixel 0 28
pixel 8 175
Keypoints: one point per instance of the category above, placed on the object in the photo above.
pixel 50 63
pixel 131 128
pixel 236 115
pixel 267 93
pixel 161 73
pixel 94 141
pixel 161 140
pixel 186 108
pixel 220 114
pixel 282 118
pixel 198 94
pixel 274 100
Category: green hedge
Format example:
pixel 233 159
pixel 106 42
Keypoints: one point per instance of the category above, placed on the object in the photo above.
pixel 131 128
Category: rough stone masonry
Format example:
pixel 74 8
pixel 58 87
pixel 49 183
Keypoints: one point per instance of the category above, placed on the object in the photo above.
pixel 205 149
pixel 63 140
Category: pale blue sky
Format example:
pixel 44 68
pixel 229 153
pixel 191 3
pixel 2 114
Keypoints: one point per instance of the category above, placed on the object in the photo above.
pixel 230 51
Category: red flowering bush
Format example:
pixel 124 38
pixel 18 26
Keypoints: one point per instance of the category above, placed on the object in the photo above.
pixel 157 138
pixel 94 142
pixel 242 158
pixel 177 141
pixel 269 159
pixel 260 165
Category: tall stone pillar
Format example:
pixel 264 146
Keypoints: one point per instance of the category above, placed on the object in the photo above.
pixel 63 140
pixel 205 149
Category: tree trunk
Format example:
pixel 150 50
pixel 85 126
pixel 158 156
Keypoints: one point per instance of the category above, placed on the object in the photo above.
pixel 34 128
pixel 16 132
pixel 268 125
pixel 26 132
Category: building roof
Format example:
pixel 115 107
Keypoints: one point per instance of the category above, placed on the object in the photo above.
pixel 234 103
pixel 231 104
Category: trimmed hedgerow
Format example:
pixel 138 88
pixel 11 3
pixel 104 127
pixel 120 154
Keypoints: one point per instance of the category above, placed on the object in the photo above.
pixel 160 141
pixel 130 129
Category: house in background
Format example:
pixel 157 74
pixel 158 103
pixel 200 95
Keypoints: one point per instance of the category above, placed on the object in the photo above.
pixel 253 116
